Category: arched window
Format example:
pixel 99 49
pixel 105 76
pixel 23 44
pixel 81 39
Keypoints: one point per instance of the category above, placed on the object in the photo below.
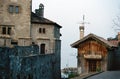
pixel 42 48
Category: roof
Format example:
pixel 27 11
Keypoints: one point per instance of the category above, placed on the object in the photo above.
pixel 115 42
pixel 95 37
pixel 41 20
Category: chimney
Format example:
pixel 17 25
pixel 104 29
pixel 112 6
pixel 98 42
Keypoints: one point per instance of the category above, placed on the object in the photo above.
pixel 40 11
pixel 118 36
pixel 81 31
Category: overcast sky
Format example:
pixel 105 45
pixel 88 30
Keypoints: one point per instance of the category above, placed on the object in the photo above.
pixel 68 13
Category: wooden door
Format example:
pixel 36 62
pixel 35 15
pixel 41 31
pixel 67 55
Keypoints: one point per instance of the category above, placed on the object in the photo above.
pixel 42 48
pixel 92 65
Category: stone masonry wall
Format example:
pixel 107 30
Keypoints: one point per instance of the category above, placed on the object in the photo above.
pixel 26 63
pixel 19 22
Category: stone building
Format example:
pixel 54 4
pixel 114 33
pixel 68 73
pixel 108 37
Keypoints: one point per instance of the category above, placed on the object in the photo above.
pixel 43 31
pixel 20 26
pixel 29 42
pixel 15 22
pixel 95 53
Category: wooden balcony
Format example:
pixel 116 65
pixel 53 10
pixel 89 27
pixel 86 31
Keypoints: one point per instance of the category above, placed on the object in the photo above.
pixel 92 56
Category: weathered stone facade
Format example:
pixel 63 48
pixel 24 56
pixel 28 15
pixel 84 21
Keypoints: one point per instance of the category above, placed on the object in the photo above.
pixel 47 38
pixel 20 26
pixel 15 14
pixel 29 43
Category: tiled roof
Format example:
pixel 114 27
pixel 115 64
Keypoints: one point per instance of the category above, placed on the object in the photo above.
pixel 41 20
pixel 93 36
pixel 114 42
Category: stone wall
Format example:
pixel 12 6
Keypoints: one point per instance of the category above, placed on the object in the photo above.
pixel 26 63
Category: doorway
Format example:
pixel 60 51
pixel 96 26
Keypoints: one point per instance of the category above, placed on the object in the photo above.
pixel 93 65
pixel 42 48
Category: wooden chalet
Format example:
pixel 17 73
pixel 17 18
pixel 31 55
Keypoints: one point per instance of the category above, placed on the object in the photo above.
pixel 92 53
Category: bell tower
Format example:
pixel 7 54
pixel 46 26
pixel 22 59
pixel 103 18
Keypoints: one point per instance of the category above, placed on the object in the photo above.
pixel 81 31
pixel 82 27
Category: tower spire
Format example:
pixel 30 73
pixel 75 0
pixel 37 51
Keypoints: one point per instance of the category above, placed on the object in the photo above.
pixel 83 22
pixel 82 27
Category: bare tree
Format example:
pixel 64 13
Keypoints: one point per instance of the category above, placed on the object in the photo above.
pixel 116 21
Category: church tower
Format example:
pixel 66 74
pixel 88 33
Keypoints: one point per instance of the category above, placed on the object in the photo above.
pixel 81 31
pixel 15 22
pixel 81 28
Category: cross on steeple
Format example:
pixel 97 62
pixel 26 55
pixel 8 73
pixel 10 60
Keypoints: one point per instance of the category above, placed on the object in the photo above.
pixel 83 22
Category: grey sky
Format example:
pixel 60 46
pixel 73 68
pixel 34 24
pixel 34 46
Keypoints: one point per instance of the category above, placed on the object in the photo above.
pixel 68 13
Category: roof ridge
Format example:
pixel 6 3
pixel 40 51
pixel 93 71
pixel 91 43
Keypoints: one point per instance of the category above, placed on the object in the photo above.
pixel 37 19
pixel 94 37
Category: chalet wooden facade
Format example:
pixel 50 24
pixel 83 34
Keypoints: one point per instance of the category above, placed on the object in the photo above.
pixel 92 53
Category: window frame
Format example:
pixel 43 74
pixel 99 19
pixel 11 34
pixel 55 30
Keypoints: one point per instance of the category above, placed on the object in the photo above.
pixel 17 9
pixel 6 30
pixel 42 30
pixel 11 8
pixel 14 9
pixel 9 30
